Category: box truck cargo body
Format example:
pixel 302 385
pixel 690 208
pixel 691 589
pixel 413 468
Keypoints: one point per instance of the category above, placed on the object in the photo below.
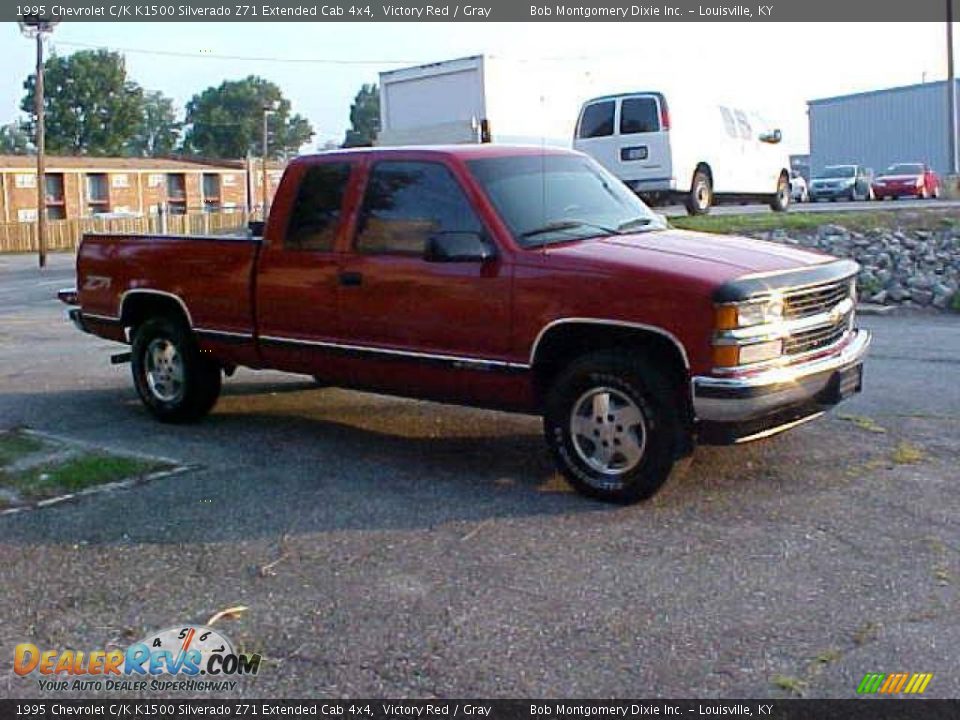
pixel 480 99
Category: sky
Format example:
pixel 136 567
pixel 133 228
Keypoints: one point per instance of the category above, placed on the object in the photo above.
pixel 773 68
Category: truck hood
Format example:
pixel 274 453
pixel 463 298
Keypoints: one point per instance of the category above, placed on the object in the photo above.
pixel 712 259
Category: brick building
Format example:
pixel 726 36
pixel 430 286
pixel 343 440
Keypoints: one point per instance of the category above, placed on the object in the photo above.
pixel 79 187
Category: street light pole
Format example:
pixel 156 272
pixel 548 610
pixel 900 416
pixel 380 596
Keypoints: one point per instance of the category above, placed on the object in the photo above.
pixel 35 26
pixel 268 109
pixel 41 161
pixel 951 95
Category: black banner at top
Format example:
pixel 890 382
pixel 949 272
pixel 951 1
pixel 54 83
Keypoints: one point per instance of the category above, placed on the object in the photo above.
pixel 482 11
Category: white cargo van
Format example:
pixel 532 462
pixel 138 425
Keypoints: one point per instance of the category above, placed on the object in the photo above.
pixel 692 151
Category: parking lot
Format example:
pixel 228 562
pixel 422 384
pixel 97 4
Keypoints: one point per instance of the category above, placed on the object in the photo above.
pixel 822 207
pixel 388 547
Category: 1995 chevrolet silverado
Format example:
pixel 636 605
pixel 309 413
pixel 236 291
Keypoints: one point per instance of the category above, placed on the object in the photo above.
pixel 520 279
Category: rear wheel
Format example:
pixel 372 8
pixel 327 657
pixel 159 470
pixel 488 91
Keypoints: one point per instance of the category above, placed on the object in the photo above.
pixel 173 378
pixel 700 197
pixel 612 426
pixel 781 200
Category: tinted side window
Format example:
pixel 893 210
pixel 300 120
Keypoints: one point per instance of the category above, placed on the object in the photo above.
pixel 407 202
pixel 639 115
pixel 316 211
pixel 597 120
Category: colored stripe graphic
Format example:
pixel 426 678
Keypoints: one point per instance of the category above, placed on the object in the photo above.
pixel 894 683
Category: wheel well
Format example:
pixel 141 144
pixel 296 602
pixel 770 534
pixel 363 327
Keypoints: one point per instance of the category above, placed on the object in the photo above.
pixel 563 343
pixel 138 307
pixel 705 168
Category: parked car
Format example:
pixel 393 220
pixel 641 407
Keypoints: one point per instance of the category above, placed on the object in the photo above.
pixel 798 188
pixel 907 179
pixel 842 182
pixel 522 279
pixel 684 150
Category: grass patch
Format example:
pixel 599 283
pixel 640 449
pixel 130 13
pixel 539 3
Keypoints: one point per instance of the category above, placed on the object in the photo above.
pixel 863 422
pixel 807 221
pixel 907 454
pixel 15 444
pixel 77 473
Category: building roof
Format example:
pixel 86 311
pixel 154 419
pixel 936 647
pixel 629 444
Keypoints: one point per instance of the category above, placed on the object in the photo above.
pixel 882 91
pixel 56 163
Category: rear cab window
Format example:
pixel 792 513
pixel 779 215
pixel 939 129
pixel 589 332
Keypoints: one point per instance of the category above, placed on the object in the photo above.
pixel 406 202
pixel 639 115
pixel 596 120
pixel 316 213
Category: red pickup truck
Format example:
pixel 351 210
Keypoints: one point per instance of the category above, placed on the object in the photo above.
pixel 522 279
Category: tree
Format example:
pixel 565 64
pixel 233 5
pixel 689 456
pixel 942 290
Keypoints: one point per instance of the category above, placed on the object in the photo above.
pixel 14 140
pixel 91 107
pixel 364 118
pixel 159 129
pixel 226 121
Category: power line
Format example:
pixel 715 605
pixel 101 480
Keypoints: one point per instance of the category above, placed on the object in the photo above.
pixel 213 56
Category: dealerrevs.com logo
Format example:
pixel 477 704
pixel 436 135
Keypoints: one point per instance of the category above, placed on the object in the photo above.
pixel 191 657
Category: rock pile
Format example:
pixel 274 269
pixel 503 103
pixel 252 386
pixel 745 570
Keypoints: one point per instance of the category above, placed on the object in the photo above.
pixel 898 267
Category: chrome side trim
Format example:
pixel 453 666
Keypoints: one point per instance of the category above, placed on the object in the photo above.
pixel 225 333
pixel 104 318
pixel 617 323
pixel 151 291
pixel 395 352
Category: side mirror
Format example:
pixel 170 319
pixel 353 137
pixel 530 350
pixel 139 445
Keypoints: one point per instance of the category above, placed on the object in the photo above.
pixel 256 227
pixel 457 247
pixel 772 137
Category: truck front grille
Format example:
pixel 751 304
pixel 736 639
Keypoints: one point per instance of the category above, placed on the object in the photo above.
pixel 815 300
pixel 816 339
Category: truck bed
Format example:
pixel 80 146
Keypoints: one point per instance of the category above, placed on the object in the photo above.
pixel 211 275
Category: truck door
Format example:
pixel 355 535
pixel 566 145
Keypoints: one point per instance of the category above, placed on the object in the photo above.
pixel 297 281
pixel 394 300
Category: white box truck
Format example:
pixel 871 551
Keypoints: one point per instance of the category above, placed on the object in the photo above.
pixel 479 99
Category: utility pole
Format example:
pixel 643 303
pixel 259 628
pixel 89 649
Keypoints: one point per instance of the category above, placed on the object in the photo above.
pixel 951 95
pixel 268 109
pixel 35 27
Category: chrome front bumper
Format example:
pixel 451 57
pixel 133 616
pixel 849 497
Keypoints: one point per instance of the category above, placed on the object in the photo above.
pixel 735 409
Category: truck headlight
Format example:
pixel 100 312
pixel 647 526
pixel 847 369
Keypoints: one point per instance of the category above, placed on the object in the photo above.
pixel 753 312
pixel 736 355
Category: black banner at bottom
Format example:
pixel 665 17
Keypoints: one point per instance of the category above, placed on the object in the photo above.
pixel 872 709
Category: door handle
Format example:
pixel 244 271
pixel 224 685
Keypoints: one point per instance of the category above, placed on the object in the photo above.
pixel 351 279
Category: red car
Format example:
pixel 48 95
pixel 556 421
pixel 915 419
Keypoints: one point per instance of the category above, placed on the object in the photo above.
pixel 513 278
pixel 907 180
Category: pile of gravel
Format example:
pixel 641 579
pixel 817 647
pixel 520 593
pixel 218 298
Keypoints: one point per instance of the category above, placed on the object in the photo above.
pixel 918 268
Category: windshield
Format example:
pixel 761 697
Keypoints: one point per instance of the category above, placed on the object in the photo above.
pixel 905 169
pixel 545 199
pixel 838 171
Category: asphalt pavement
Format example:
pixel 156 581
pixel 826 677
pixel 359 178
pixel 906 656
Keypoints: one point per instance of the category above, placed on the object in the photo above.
pixel 389 547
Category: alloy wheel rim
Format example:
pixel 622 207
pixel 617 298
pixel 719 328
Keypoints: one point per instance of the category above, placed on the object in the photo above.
pixel 609 431
pixel 164 370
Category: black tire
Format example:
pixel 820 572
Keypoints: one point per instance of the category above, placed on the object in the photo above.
pixel 781 199
pixel 184 385
pixel 624 380
pixel 700 197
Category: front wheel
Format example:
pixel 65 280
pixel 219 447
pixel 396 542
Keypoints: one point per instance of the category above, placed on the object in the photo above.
pixel 700 197
pixel 781 200
pixel 174 380
pixel 612 424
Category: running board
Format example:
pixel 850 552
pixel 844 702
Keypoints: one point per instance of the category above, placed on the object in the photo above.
pixel 120 358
